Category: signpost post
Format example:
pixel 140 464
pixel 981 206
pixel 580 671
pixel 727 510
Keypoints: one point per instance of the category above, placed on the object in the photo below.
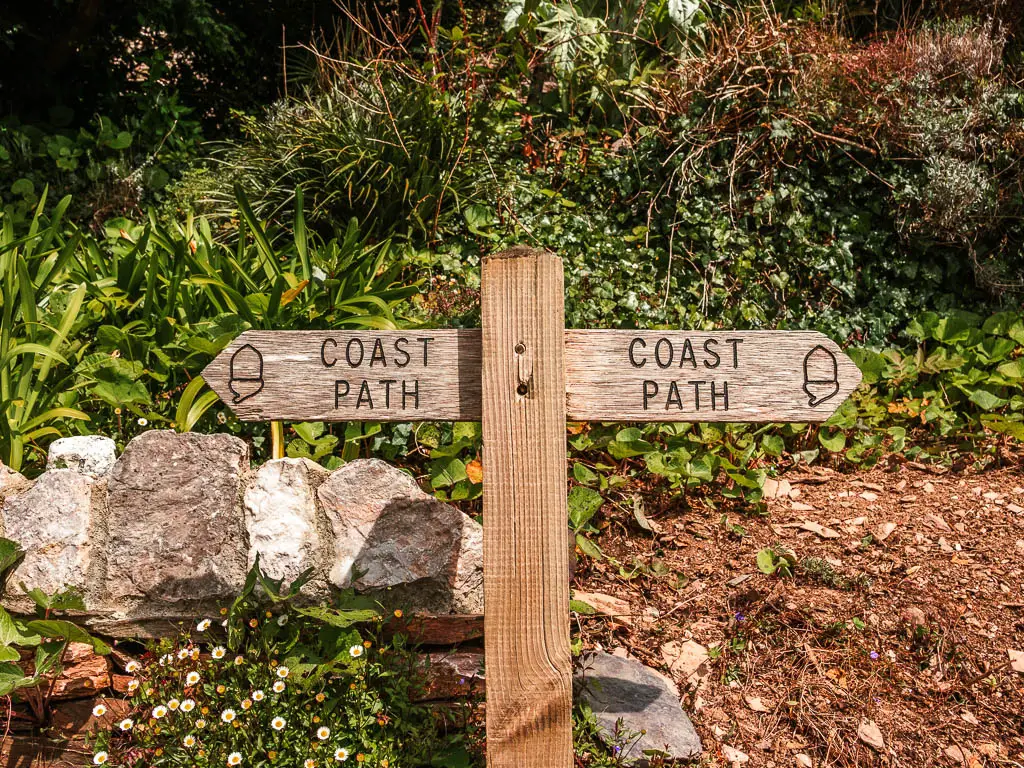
pixel 523 375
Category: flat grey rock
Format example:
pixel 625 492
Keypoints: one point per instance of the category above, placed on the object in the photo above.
pixel 645 701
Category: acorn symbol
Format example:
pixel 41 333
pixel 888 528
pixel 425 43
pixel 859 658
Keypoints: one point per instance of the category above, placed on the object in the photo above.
pixel 246 373
pixel 821 376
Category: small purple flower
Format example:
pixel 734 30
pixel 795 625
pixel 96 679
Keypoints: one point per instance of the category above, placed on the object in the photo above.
pixel 462 681
pixel 617 749
pixel 740 617
pixel 874 655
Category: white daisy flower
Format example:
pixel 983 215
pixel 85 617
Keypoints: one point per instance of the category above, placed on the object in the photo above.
pixel 143 422
pixel 258 695
pixel 126 724
pixel 239 661
pixel 228 715
pixel 99 710
pixel 219 652
pixel 282 672
pixel 132 685
pixel 341 754
pixel 166 659
pixel 279 686
pixel 159 711
pixel 183 654
pixel 188 705
pixel 132 667
pixel 189 741
pixel 200 723
pixel 323 733
pixel 203 625
pixel 282 619
pixel 100 758
pixel 235 758
pixel 192 678
pixel 278 723
pixel 310 763
pixel 173 704
pixel 355 651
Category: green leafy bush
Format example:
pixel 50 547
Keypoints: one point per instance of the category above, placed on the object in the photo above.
pixel 103 328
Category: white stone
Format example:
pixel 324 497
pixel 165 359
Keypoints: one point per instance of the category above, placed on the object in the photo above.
pixel 51 522
pixel 280 516
pixel 87 454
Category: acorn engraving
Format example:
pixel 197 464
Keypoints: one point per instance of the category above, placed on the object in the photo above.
pixel 246 371
pixel 821 376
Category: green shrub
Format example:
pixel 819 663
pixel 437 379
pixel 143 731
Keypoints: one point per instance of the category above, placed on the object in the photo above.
pixel 289 687
pixel 115 329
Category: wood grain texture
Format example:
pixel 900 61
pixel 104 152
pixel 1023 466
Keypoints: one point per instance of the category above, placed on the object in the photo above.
pixel 762 371
pixel 749 376
pixel 416 375
pixel 526 590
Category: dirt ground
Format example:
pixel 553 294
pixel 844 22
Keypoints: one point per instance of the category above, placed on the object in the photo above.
pixel 891 644
pixel 899 625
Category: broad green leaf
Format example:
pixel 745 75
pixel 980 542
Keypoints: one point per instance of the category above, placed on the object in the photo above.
pixel 583 505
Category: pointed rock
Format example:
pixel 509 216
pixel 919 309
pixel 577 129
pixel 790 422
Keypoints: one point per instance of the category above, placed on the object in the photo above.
pixel 391 536
pixel 176 530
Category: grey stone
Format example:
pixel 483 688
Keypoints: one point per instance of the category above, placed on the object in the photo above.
pixel 87 454
pixel 389 536
pixel 280 516
pixel 51 521
pixel 644 700
pixel 176 532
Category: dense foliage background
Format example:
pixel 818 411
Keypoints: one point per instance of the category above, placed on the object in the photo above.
pixel 174 172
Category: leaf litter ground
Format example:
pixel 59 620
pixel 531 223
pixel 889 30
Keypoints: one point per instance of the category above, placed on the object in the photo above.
pixel 892 644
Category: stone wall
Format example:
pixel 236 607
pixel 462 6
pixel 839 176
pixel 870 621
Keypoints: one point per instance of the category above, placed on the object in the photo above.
pixel 168 530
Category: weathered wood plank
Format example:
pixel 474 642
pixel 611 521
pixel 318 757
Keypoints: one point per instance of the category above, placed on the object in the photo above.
pixel 751 376
pixel 526 590
pixel 417 375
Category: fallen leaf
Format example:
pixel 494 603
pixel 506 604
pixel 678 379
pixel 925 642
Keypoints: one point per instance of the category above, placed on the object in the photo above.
pixel 755 704
pixel 733 755
pixel 1016 660
pixel 687 660
pixel 606 605
pixel 884 531
pixel 870 734
pixel 475 471
pixel 820 530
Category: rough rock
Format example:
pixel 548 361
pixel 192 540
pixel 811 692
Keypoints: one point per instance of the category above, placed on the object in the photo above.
pixel 280 516
pixel 51 522
pixel 617 688
pixel 391 536
pixel 87 454
pixel 11 482
pixel 175 530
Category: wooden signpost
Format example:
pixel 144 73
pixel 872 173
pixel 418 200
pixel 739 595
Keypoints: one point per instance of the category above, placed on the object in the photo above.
pixel 523 375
